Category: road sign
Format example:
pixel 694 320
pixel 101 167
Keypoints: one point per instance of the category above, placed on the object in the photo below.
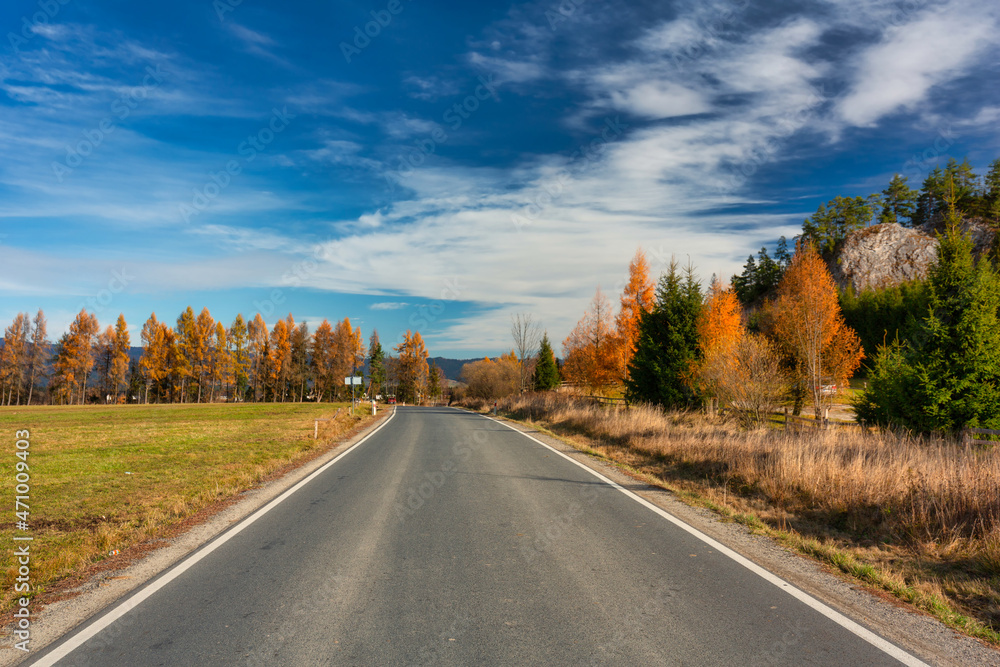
pixel 354 379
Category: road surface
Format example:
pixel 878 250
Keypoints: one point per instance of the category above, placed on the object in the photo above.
pixel 448 538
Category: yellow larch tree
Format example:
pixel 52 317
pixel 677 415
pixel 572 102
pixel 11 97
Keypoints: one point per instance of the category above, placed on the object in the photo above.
pixel 806 321
pixel 638 297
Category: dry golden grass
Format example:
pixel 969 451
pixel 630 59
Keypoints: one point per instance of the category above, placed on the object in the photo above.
pixel 112 477
pixel 917 517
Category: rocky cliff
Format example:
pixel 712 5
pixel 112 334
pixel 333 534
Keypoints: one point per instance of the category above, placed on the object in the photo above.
pixel 888 254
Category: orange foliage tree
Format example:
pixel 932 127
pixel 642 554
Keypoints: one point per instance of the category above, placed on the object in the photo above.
pixel 75 358
pixel 493 378
pixel 806 321
pixel 412 366
pixel 720 328
pixel 639 296
pixel 591 350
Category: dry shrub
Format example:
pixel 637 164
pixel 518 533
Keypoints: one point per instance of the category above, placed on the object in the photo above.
pixel 879 485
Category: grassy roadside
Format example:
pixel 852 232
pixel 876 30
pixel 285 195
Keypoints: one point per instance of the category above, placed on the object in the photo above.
pixel 105 478
pixel 927 535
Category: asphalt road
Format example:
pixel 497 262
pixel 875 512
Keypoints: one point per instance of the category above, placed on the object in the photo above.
pixel 447 538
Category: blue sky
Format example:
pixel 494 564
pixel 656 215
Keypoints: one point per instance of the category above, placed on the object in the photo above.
pixel 442 166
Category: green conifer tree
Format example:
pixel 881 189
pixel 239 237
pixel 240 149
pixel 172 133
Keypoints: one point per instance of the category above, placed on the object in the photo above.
pixel 947 376
pixel 546 372
pixel 668 342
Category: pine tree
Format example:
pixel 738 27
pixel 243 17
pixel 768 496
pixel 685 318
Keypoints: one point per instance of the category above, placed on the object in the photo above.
pixel 376 365
pixel 546 373
pixel 668 342
pixel 434 379
pixel 899 202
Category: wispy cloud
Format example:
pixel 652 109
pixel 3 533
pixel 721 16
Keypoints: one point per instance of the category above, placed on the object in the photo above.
pixel 912 58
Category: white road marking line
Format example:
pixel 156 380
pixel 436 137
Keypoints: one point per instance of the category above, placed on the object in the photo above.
pixel 139 597
pixel 832 614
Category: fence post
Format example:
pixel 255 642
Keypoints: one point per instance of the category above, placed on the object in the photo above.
pixel 786 418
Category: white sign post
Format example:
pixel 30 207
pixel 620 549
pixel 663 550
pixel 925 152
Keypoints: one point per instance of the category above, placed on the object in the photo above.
pixel 353 380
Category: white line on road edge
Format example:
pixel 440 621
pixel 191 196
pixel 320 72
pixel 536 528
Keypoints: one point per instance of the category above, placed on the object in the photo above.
pixel 135 600
pixel 835 616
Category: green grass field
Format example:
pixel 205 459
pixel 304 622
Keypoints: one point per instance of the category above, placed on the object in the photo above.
pixel 111 477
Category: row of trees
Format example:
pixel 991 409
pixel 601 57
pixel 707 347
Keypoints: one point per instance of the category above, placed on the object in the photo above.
pixel 200 359
pixel 24 358
pixel 687 346
pixel 599 350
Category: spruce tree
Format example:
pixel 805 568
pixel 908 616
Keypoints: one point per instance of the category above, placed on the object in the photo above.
pixel 668 343
pixel 947 377
pixel 546 373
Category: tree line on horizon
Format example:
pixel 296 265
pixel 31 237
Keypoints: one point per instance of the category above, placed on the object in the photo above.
pixel 201 360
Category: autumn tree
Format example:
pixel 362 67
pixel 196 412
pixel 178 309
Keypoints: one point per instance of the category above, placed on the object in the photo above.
pixel 348 351
pixel 104 355
pixel 637 298
pixel 546 372
pixel 257 332
pixel 279 356
pixel 14 357
pixel 75 357
pixel 591 350
pixel 39 353
pixel 525 333
pixel 323 352
pixel 221 371
pixel 119 356
pixel 720 328
pixel 490 379
pixel 806 321
pixel 157 348
pixel 185 344
pixel 299 375
pixel 200 349
pixel 239 342
pixel 413 368
pixel 753 382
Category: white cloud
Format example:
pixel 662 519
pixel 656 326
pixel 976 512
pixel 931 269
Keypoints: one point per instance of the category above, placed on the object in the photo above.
pixel 389 305
pixel 912 58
